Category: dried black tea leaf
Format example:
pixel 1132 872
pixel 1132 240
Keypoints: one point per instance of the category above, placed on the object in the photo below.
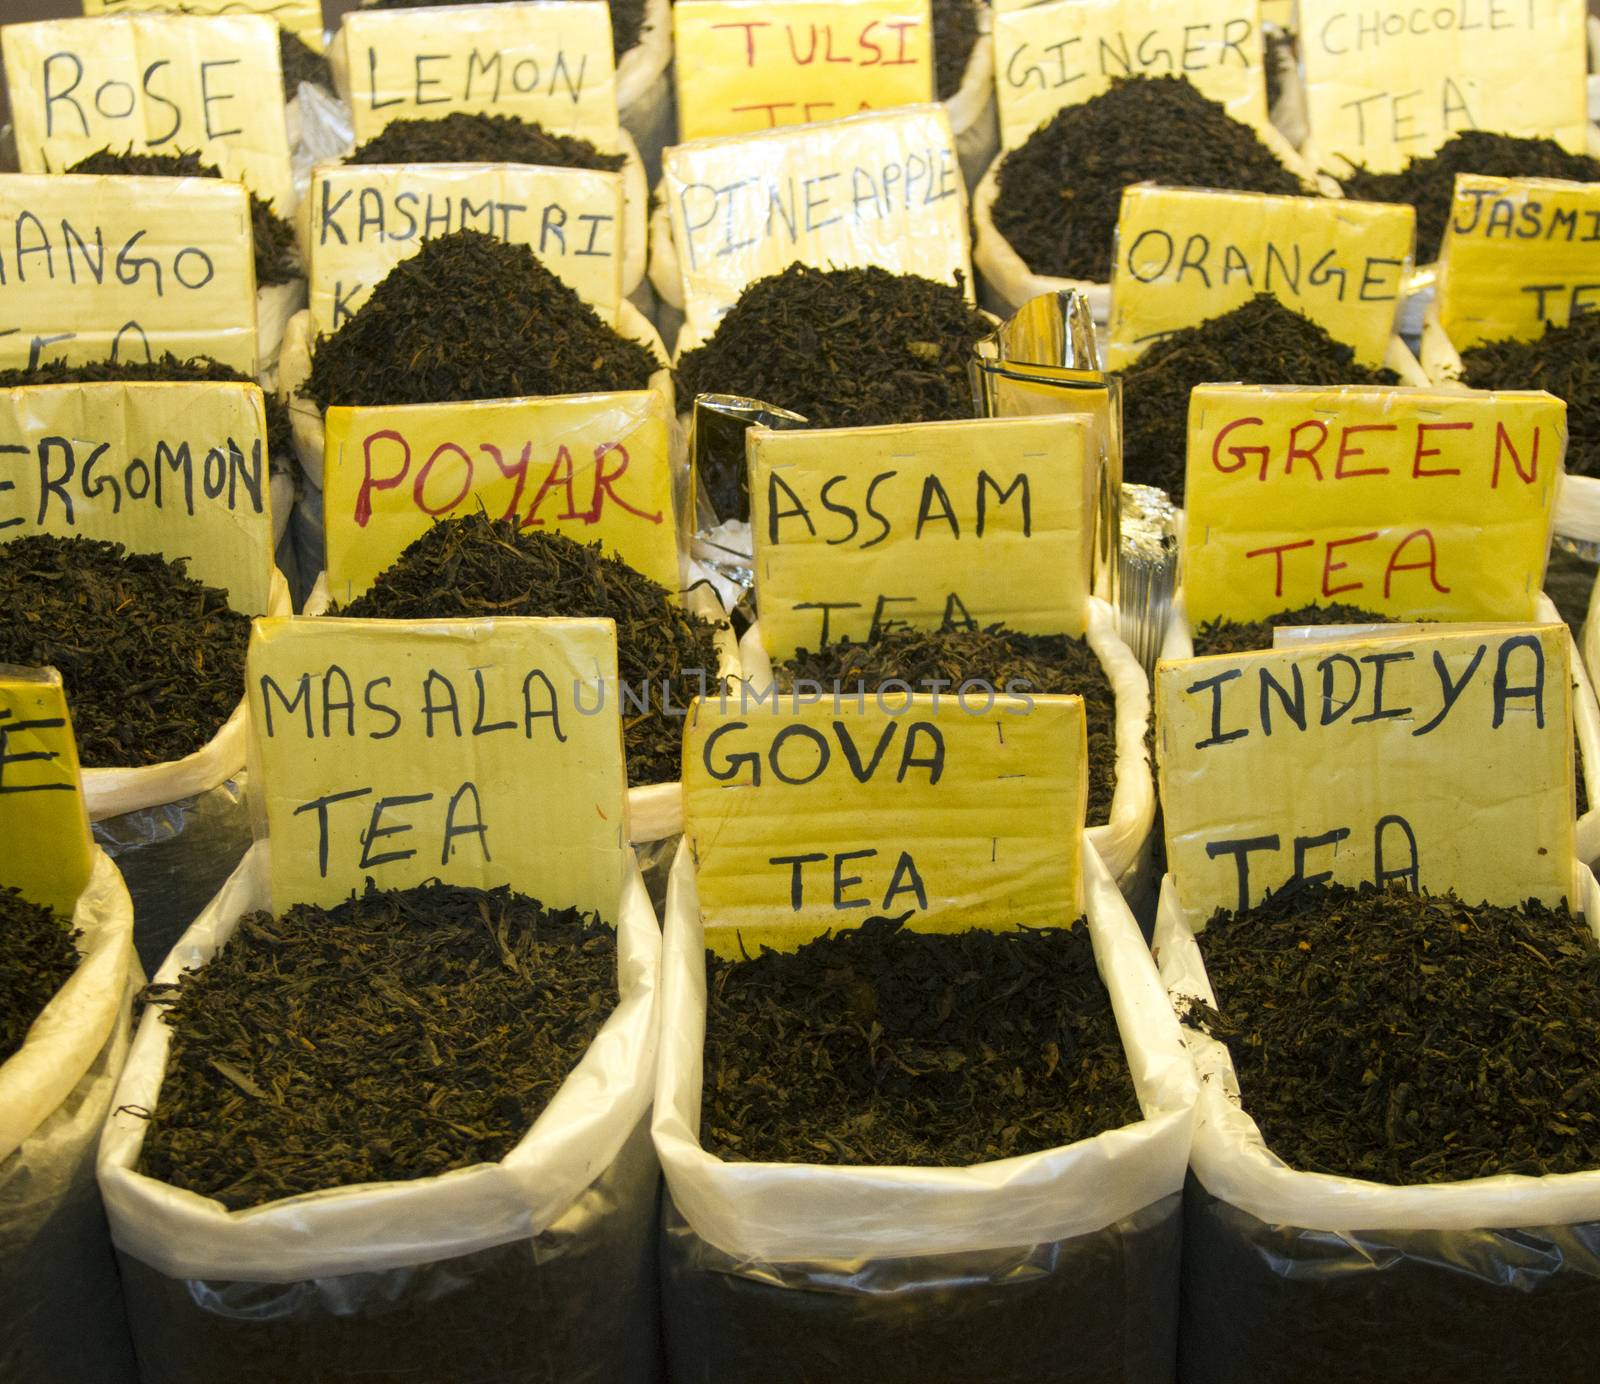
pixel 37 957
pixel 1408 1038
pixel 152 660
pixel 472 317
pixel 878 1045
pixel 471 137
pixel 1059 193
pixel 301 63
pixel 1222 636
pixel 955 34
pixel 627 16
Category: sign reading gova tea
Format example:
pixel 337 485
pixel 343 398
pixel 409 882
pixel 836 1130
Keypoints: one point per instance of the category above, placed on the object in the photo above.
pixel 43 820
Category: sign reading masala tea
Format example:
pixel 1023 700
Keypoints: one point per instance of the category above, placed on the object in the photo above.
pixel 1417 503
pixel 43 820
pixel 983 519
pixel 303 18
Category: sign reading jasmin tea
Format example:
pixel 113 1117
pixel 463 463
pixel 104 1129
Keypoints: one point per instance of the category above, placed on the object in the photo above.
pixel 43 820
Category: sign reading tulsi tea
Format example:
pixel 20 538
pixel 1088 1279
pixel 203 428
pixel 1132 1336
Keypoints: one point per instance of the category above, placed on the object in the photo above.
pixel 47 857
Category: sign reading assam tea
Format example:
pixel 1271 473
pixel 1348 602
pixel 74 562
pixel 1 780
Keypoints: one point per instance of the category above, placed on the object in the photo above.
pixel 1416 503
pixel 1434 760
pixel 175 469
pixel 1386 83
pixel 805 813
pixel 920 524
pixel 1186 255
pixel 302 18
pixel 748 65
pixel 1066 51
pixel 156 83
pixel 473 751
pixel 125 269
pixel 43 821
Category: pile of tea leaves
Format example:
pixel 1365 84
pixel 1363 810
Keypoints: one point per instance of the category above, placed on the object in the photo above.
pixel 473 567
pixel 37 957
pixel 1407 1038
pixel 472 317
pixel 472 137
pixel 1565 361
pixel 1277 50
pixel 955 34
pixel 396 1035
pixel 1428 183
pixel 878 1045
pixel 1002 659
pixel 1259 342
pixel 1059 193
pixel 1222 636
pixel 627 16
pixel 301 63
pixel 844 348
pixel 152 660
pixel 277 254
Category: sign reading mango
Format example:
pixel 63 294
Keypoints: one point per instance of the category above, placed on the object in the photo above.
pixel 981 520
pixel 1381 760
pixel 43 820
pixel 817 815
pixel 126 269
pixel 1186 255
pixel 302 18
pixel 748 65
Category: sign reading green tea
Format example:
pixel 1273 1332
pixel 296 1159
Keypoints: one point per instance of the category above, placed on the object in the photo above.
pixel 809 812
pixel 977 520
pixel 1434 761
pixel 476 752
pixel 1417 503
pixel 43 820
pixel 1187 255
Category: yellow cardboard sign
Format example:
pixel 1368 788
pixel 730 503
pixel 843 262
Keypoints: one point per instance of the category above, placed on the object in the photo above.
pixel 595 467
pixel 303 18
pixel 547 61
pixel 176 469
pixel 1064 52
pixel 98 268
pixel 470 751
pixel 43 821
pixel 1518 253
pixel 881 190
pixel 802 817
pixel 746 65
pixel 362 220
pixel 1385 84
pixel 1440 761
pixel 1278 12
pixel 162 84
pixel 1185 255
pixel 983 519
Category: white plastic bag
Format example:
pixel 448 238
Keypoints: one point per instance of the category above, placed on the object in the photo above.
pixel 644 90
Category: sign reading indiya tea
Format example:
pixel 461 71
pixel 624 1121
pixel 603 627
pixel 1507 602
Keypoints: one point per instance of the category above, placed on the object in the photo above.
pixel 362 220
pixel 805 814
pixel 478 752
pixel 1186 255
pixel 43 820
pixel 125 269
pixel 1518 253
pixel 162 84
pixel 303 18
pixel 178 469
pixel 1417 503
pixel 880 189
pixel 983 519
pixel 594 467
pixel 1064 52
pixel 748 65
pixel 1388 83
pixel 546 61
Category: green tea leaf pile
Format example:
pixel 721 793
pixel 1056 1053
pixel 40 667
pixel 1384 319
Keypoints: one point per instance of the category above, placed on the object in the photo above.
pixel 471 137
pixel 37 957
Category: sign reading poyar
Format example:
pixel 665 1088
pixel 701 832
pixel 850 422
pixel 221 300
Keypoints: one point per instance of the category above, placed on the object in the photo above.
pixel 43 821
pixel 302 18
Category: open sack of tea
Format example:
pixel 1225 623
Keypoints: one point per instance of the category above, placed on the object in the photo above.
pixel 935 1118
pixel 384 1115
pixel 67 975
pixel 1385 953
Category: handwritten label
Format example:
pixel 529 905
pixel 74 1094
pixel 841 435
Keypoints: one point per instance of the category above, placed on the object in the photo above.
pixel 479 752
pixel 43 820
pixel 880 190
pixel 1438 761
pixel 980 520
pixel 549 61
pixel 1065 52
pixel 594 467
pixel 801 817
pixel 1185 255
pixel 303 18
pixel 1386 83
pixel 166 84
pixel 747 65
pixel 126 269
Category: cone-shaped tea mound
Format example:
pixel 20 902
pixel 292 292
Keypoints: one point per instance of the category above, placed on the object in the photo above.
pixel 1059 193
pixel 37 957
pixel 152 660
pixel 464 137
pixel 301 63
pixel 1241 636
pixel 627 16
pixel 472 567
pixel 1564 360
